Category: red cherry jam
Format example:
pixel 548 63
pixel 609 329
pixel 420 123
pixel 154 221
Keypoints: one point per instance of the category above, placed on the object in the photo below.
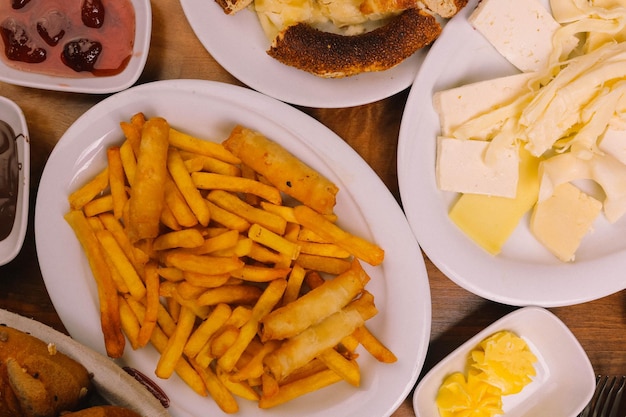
pixel 68 38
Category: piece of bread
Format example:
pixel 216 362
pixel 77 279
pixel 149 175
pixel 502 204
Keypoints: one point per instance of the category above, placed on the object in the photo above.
pixel 445 8
pixel 35 379
pixel 103 411
pixel 233 6
pixel 331 55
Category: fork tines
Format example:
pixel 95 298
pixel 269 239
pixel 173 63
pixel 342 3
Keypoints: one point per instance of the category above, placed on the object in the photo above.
pixel 607 397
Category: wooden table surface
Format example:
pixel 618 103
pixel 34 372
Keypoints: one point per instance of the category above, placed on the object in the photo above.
pixel 372 130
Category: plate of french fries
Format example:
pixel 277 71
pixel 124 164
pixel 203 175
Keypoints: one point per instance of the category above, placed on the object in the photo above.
pixel 235 252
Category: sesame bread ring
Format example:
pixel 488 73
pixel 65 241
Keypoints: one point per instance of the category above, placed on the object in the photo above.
pixel 331 55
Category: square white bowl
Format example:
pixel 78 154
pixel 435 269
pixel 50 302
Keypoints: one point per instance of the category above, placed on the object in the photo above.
pixel 94 85
pixel 565 379
pixel 13 116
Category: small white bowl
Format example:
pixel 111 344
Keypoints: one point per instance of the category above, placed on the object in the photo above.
pixel 94 85
pixel 13 116
pixel 565 379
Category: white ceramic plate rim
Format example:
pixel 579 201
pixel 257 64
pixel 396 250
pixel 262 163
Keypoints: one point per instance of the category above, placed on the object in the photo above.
pixel 94 85
pixel 113 384
pixel 12 114
pixel 238 43
pixel 211 109
pixel 565 379
pixel 524 273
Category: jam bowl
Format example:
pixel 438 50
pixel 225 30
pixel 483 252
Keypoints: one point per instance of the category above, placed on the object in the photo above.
pixel 92 47
pixel 14 179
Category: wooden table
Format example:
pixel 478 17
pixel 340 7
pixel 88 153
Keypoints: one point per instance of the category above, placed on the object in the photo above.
pixel 372 130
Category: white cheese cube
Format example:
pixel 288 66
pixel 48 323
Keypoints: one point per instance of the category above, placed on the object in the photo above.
pixel 461 167
pixel 561 221
pixel 521 30
pixel 457 105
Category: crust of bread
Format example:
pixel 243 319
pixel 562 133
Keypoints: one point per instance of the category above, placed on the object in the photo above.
pixel 445 8
pixel 331 55
pixel 233 6
pixel 35 380
pixel 103 411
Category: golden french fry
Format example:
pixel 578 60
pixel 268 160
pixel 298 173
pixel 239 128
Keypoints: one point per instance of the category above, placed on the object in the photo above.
pixel 187 238
pixel 146 196
pixel 210 164
pixel 323 249
pixel 152 304
pixel 175 200
pixel 205 281
pixel 218 391
pixel 300 387
pixel 202 264
pixel 347 369
pixel 98 206
pixel 266 302
pixel 239 388
pixel 222 241
pixel 176 343
pixel 230 294
pixel 130 323
pixel 206 329
pixel 260 273
pixel 274 241
pixel 107 295
pixel 359 247
pixel 137 257
pixel 374 346
pixel 294 284
pixel 171 274
pixel 282 169
pixel 185 184
pixel 129 161
pixel 333 266
pixel 234 204
pixel 227 218
pixel 89 191
pixel 117 182
pixel 117 256
pixel 212 181
pixel 190 143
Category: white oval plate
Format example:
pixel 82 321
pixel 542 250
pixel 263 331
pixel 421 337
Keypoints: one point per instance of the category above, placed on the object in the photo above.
pixel 365 206
pixel 112 383
pixel 565 380
pixel 12 114
pixel 239 44
pixel 524 273
pixel 93 85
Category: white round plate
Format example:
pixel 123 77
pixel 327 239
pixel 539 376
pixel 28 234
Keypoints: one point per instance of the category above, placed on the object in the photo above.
pixel 524 273
pixel 365 206
pixel 11 114
pixel 239 44
pixel 565 380
pixel 93 85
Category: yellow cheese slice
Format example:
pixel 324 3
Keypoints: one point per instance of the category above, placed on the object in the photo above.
pixel 488 220
pixel 561 221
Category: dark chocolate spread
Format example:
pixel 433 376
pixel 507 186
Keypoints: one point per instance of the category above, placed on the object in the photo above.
pixel 9 179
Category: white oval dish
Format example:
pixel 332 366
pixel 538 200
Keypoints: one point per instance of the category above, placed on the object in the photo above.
pixel 525 272
pixel 94 85
pixel 565 379
pixel 12 114
pixel 239 44
pixel 364 205
pixel 112 383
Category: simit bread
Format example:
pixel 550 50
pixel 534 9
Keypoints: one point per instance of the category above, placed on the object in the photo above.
pixel 331 55
pixel 445 8
pixel 35 379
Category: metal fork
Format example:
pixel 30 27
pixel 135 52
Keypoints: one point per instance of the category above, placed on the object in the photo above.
pixel 607 397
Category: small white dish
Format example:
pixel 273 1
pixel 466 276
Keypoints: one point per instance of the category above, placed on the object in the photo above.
pixel 111 382
pixel 565 379
pixel 13 116
pixel 94 85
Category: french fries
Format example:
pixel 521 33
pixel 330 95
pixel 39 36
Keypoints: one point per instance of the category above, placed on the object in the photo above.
pixel 194 250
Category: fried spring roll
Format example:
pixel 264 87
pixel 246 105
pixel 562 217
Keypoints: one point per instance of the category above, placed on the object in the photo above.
pixel 282 169
pixel 319 303
pixel 146 195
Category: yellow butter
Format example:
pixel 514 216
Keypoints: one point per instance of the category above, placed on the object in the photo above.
pixel 561 221
pixel 489 221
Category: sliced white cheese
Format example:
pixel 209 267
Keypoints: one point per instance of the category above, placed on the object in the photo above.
pixel 561 221
pixel 614 143
pixel 457 105
pixel 461 167
pixel 521 31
